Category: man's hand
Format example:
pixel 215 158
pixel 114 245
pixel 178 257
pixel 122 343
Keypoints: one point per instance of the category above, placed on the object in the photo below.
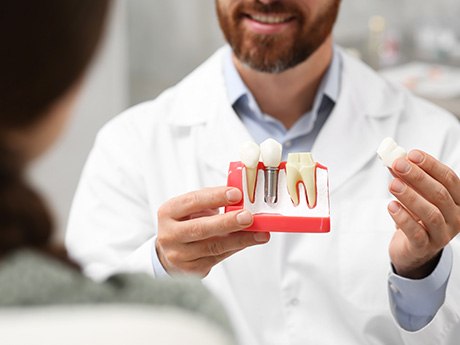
pixel 427 215
pixel 193 236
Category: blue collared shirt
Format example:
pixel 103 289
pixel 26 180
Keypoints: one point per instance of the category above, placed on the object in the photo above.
pixel 301 136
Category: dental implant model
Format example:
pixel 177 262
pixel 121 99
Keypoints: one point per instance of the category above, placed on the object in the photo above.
pixel 290 196
pixel 271 157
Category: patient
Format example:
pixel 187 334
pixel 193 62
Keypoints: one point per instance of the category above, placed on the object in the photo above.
pixel 45 48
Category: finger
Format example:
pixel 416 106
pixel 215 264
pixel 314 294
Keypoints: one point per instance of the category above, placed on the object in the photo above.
pixel 194 202
pixel 432 190
pixel 205 213
pixel 413 230
pixel 439 171
pixel 202 266
pixel 233 242
pixel 219 225
pixel 430 215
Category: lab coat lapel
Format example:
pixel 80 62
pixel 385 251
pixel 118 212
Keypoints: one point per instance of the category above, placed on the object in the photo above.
pixel 366 112
pixel 223 132
pixel 217 131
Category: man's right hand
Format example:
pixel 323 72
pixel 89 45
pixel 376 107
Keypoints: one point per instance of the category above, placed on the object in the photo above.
pixel 193 236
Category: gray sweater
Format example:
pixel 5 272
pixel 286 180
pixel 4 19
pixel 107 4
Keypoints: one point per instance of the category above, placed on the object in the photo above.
pixel 28 278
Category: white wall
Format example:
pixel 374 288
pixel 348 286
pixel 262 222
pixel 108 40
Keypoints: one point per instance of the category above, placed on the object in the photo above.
pixel 166 40
pixel 104 95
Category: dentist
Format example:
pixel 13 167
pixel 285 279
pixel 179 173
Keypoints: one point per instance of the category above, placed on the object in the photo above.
pixel 150 192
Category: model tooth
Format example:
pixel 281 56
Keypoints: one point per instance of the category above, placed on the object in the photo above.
pixel 308 173
pixel 271 151
pixel 389 151
pixel 293 177
pixel 249 154
pixel 301 168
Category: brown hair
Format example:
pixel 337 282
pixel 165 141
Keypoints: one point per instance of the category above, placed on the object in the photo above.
pixel 45 47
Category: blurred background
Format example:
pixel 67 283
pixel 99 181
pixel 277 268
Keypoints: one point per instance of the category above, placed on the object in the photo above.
pixel 152 44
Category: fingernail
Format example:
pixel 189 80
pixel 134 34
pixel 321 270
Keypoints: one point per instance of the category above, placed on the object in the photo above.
pixel 261 236
pixel 397 186
pixel 394 207
pixel 244 218
pixel 402 166
pixel 415 156
pixel 233 195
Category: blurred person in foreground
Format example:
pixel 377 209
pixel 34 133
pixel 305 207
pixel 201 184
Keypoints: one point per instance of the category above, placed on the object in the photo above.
pixel 150 192
pixel 46 47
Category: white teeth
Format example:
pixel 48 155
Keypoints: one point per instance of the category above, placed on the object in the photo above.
pixel 269 19
pixel 249 154
pixel 271 151
pixel 301 168
pixel 389 151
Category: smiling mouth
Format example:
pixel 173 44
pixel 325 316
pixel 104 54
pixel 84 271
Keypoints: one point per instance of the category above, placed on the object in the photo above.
pixel 270 19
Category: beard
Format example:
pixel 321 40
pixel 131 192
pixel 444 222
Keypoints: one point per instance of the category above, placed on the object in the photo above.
pixel 275 53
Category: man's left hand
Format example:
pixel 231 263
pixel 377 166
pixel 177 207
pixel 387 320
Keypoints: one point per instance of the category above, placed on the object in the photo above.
pixel 427 213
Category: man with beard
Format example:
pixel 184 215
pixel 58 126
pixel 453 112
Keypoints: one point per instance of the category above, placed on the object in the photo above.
pixel 150 193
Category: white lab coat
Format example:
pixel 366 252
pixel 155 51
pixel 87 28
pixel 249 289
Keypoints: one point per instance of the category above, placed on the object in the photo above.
pixel 299 288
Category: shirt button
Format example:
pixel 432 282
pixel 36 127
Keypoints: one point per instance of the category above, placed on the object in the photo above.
pixel 294 302
pixel 288 144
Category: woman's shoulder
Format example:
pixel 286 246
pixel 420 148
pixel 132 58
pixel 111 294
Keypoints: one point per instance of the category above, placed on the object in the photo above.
pixel 30 278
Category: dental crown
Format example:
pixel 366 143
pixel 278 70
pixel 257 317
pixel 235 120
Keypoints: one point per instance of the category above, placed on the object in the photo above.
pixel 389 151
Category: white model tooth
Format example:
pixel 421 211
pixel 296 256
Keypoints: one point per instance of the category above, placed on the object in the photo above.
pixel 249 154
pixel 271 151
pixel 301 168
pixel 389 151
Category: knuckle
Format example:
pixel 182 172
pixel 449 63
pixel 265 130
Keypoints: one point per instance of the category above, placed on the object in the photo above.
pixel 245 240
pixel 435 218
pixel 411 196
pixel 419 239
pixel 190 199
pixel 174 257
pixel 216 248
pixel 443 195
pixel 450 177
pixel 445 239
pixel 163 211
pixel 197 230
pixel 457 220
pixel 403 219
pixel 419 176
pixel 230 222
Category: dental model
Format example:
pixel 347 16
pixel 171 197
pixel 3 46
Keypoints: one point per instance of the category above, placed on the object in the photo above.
pixel 301 169
pixel 389 151
pixel 271 151
pixel 249 154
pixel 291 196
